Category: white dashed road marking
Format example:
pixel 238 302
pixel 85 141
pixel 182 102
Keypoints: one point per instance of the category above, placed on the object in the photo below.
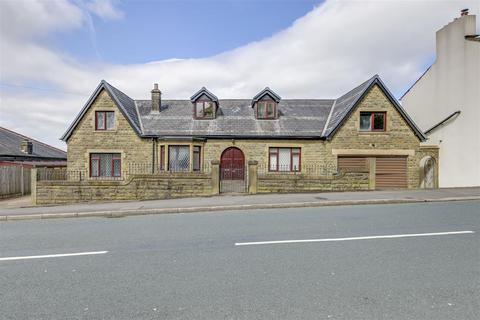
pixel 392 236
pixel 61 255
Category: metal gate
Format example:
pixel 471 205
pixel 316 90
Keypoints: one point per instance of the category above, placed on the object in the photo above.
pixel 233 173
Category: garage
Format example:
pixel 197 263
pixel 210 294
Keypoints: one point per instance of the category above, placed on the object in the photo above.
pixel 390 172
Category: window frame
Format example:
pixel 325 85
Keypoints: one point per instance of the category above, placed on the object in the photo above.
pixel 96 156
pixel 189 157
pixel 104 121
pixel 265 115
pixel 277 154
pixel 199 153
pixel 203 101
pixel 162 158
pixel 372 118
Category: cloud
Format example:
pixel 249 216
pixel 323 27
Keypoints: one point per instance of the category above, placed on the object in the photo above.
pixel 322 55
pixel 105 9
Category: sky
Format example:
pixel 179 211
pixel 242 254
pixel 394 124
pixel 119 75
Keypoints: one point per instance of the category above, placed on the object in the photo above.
pixel 53 53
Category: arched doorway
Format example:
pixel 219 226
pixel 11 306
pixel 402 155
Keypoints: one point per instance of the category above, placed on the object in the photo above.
pixel 232 171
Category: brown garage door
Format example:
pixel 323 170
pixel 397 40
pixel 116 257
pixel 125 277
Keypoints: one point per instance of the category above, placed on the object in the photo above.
pixel 349 163
pixel 391 172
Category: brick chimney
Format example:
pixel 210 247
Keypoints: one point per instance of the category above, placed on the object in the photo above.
pixel 156 98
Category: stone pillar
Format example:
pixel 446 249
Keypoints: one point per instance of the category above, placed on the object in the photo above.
pixel 252 176
pixel 371 180
pixel 215 177
pixel 33 186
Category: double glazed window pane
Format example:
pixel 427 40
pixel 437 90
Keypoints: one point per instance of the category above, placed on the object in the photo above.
pixel 196 158
pixel 295 162
pixel 270 110
pixel 179 158
pixel 199 109
pixel 105 120
pixel 208 109
pixel 204 109
pixel 110 120
pixel 372 121
pixel 261 110
pixel 105 165
pixel 100 120
pixel 266 110
pixel 378 121
pixel 284 159
pixel 273 160
pixel 365 122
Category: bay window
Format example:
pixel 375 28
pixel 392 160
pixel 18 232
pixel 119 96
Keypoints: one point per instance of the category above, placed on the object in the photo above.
pixel 105 165
pixel 284 159
pixel 373 121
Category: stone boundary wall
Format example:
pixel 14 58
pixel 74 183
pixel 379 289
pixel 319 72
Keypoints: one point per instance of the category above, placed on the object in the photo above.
pixel 136 187
pixel 290 183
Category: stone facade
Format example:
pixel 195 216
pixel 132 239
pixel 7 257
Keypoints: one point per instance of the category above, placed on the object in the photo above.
pixel 136 187
pixel 291 183
pixel 397 140
pixel 122 139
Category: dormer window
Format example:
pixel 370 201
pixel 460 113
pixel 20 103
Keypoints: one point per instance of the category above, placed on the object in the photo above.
pixel 266 110
pixel 205 109
pixel 265 104
pixel 205 104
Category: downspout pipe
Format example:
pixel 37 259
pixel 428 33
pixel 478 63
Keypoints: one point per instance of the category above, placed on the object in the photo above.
pixel 153 154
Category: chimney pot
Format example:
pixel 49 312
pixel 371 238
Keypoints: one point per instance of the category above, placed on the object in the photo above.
pixel 156 98
pixel 464 12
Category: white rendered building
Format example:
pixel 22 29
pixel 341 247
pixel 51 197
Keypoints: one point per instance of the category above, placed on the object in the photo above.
pixel 445 102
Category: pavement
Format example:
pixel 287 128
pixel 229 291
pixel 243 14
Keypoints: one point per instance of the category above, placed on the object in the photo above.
pixel 22 210
pixel 187 266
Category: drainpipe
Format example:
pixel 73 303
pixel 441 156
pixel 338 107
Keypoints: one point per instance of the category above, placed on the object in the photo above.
pixel 153 155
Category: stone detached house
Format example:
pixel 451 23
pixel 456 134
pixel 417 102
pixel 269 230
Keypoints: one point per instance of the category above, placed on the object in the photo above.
pixel 205 145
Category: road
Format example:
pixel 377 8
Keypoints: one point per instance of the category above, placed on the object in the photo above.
pixel 188 266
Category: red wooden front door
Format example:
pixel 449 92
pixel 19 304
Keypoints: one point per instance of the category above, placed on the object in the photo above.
pixel 232 164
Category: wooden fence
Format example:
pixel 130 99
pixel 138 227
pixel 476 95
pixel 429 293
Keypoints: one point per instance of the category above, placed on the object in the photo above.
pixel 14 181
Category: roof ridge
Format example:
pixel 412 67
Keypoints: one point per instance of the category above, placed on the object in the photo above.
pixel 40 142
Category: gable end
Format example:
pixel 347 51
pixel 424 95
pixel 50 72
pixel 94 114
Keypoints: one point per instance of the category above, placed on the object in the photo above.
pixel 118 102
pixel 349 110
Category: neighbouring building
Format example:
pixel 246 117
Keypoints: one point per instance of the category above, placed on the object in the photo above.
pixel 17 149
pixel 120 148
pixel 445 102
pixel 18 155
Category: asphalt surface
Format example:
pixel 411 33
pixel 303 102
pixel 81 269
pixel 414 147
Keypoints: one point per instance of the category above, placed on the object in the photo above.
pixel 18 207
pixel 186 266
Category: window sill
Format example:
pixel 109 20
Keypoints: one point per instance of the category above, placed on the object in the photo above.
pixel 385 133
pixel 103 131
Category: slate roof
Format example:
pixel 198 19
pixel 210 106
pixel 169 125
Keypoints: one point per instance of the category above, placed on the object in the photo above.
pixel 235 117
pixel 11 141
pixel 298 118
